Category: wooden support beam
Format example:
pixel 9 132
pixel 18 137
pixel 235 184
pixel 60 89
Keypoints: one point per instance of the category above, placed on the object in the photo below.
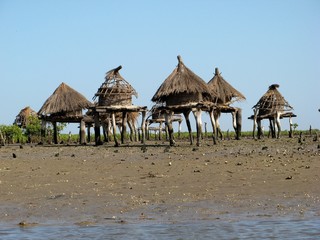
pixel 186 116
pixel 170 129
pixel 88 133
pixel 82 132
pixel 239 123
pixel 114 127
pixel 124 126
pixel 143 127
pixel 55 133
pixel 97 136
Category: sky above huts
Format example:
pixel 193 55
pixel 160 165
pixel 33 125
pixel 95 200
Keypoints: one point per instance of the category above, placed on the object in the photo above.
pixel 253 43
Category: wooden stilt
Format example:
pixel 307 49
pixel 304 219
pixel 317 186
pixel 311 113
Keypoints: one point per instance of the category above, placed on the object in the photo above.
pixel 97 136
pixel 197 115
pixel 255 113
pixel 168 116
pixel 55 133
pixel 278 123
pixel 186 116
pixel 238 123
pixel 143 127
pixel 124 126
pixel 179 128
pixel 114 127
pixel 82 132
pixel 131 127
pixel 88 133
pixel 160 130
pixel 213 124
pixel 291 125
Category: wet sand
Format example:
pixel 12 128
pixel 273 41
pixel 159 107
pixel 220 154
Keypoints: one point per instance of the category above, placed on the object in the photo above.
pixel 266 178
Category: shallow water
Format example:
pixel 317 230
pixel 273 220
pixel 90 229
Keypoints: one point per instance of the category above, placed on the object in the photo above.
pixel 214 229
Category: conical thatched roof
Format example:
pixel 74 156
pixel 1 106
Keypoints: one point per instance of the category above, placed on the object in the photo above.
pixel 182 83
pixel 272 101
pixel 64 100
pixel 22 118
pixel 226 94
pixel 115 89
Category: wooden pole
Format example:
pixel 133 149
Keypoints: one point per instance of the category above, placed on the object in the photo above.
pixel 88 133
pixel 255 115
pixel 179 128
pixel 168 116
pixel 197 115
pixel 124 126
pixel 55 133
pixel 143 127
pixel 97 136
pixel 239 123
pixel 186 116
pixel 160 131
pixel 114 127
pixel 214 129
pixel 82 132
pixel 291 131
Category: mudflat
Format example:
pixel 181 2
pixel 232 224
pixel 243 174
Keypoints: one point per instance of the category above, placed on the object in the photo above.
pixel 247 178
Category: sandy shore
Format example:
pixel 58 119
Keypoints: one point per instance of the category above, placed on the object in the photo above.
pixel 92 185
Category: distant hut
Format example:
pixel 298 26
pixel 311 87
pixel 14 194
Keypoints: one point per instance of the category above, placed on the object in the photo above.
pixel 182 92
pixel 22 118
pixel 273 106
pixel 65 105
pixel 225 96
pixel 114 97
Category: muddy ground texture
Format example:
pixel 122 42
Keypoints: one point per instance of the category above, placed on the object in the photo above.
pixel 85 185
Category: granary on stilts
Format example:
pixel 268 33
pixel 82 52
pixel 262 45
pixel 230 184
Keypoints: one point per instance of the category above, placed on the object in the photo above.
pixel 273 106
pixel 225 96
pixel 114 98
pixel 64 105
pixel 182 92
pixel 22 119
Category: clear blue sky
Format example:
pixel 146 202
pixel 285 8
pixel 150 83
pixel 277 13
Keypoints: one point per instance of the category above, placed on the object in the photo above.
pixel 254 44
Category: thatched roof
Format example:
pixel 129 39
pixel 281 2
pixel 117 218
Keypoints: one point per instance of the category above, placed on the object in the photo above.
pixel 181 81
pixel 115 84
pixel 226 94
pixel 273 101
pixel 64 100
pixel 22 118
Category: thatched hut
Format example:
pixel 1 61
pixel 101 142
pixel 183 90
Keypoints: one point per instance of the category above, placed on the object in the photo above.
pixel 65 105
pixel 22 118
pixel 225 95
pixel 114 98
pixel 115 90
pixel 182 92
pixel 273 106
pixel 182 86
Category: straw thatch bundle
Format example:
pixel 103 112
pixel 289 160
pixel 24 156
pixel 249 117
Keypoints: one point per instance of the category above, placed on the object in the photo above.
pixel 272 101
pixel 65 101
pixel 226 94
pixel 22 118
pixel 115 90
pixel 182 86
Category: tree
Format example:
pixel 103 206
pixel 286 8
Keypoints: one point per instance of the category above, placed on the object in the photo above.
pixel 33 129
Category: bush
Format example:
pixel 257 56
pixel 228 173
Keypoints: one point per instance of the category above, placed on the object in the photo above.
pixel 12 134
